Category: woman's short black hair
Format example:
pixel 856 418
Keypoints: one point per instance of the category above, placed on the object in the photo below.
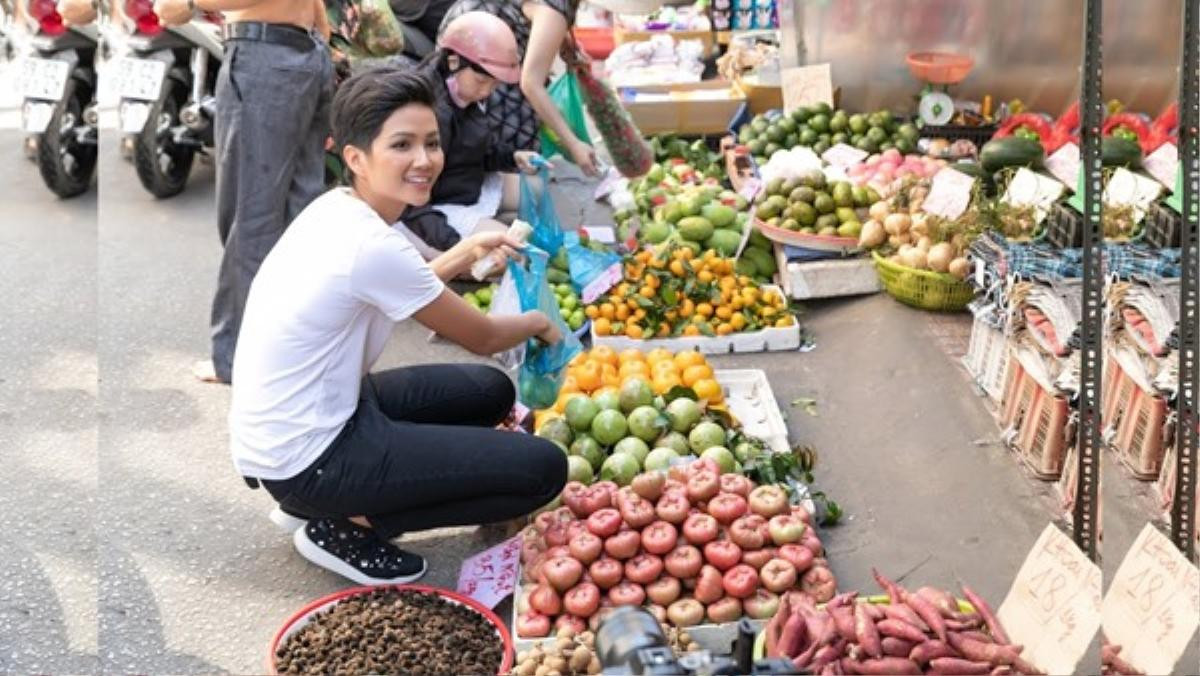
pixel 365 101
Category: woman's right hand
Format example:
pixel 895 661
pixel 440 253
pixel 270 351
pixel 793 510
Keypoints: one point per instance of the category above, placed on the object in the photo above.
pixel 549 334
pixel 584 156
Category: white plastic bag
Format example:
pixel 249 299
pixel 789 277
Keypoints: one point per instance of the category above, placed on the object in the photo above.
pixel 507 301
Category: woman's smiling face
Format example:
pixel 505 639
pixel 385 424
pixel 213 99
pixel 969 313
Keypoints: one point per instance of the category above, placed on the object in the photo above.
pixel 404 160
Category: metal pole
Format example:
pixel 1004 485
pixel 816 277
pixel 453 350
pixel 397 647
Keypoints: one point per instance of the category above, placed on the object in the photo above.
pixel 1083 522
pixel 1183 510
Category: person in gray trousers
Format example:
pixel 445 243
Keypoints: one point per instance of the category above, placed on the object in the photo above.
pixel 274 92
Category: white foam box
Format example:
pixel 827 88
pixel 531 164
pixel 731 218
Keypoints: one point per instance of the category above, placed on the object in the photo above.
pixel 827 279
pixel 770 339
pixel 750 399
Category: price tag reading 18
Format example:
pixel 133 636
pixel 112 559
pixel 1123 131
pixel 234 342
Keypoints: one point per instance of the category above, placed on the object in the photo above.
pixel 1153 604
pixel 1053 607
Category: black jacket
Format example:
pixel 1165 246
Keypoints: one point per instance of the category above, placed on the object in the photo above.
pixel 470 154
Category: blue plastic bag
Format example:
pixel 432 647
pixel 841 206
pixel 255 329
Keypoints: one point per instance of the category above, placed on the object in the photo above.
pixel 592 272
pixel 545 366
pixel 538 211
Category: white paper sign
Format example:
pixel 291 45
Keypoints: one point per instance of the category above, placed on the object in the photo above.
pixel 1163 164
pixel 844 156
pixel 1152 607
pixel 491 575
pixel 1031 189
pixel 600 233
pixel 806 85
pixel 750 189
pixel 950 194
pixel 1053 607
pixel 1064 164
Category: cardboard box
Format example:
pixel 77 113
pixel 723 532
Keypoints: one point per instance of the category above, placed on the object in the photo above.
pixel 708 39
pixel 688 108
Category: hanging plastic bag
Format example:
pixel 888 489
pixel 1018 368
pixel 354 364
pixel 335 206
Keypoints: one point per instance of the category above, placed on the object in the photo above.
pixel 538 210
pixel 594 268
pixel 564 92
pixel 544 368
pixel 507 301
pixel 364 28
pixel 630 153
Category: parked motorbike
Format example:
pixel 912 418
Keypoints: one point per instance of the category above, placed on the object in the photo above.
pixel 58 86
pixel 167 86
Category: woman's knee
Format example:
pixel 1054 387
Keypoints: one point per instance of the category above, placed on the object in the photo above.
pixel 496 388
pixel 552 467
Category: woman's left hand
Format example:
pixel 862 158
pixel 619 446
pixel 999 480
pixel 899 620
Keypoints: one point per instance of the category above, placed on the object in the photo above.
pixel 524 160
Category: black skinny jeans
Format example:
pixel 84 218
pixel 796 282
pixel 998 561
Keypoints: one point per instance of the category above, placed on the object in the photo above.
pixel 420 452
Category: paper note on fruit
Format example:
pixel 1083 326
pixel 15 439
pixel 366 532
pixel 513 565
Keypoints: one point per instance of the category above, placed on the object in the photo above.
pixel 950 194
pixel 1064 164
pixel 1163 164
pixel 806 86
pixel 1152 607
pixel 1031 189
pixel 491 575
pixel 1053 606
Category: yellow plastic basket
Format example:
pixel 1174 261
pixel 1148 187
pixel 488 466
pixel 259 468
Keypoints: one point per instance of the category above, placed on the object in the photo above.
pixel 923 289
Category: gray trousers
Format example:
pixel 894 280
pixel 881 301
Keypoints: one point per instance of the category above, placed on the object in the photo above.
pixel 273 107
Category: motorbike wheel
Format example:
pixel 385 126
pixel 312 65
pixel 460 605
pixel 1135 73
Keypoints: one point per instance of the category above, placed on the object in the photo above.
pixel 66 164
pixel 162 165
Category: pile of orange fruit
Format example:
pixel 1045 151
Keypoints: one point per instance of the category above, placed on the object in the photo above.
pixel 604 368
pixel 674 292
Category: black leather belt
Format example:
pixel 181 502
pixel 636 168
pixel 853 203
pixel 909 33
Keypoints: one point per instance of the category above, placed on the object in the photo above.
pixel 275 33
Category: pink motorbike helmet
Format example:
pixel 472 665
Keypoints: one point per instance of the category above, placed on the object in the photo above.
pixel 485 40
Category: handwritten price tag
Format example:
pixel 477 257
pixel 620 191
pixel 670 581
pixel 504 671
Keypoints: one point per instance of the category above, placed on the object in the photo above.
pixel 806 85
pixel 844 156
pixel 491 575
pixel 950 194
pixel 1163 164
pixel 1153 605
pixel 1064 164
pixel 1053 607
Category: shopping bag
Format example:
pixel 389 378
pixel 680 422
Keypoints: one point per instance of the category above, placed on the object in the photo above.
pixel 594 268
pixel 630 153
pixel 507 301
pixel 564 92
pixel 538 211
pixel 544 367
pixel 364 28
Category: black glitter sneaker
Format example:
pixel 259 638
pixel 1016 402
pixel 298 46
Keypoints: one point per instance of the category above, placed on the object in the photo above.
pixel 356 553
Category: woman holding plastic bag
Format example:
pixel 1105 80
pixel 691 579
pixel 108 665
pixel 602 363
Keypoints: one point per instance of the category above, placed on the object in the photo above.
pixel 516 112
pixel 357 458
pixel 475 52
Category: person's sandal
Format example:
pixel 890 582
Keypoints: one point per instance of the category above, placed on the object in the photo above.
pixel 204 371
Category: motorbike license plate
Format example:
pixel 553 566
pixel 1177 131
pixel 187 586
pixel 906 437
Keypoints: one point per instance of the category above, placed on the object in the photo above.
pixel 140 79
pixel 44 79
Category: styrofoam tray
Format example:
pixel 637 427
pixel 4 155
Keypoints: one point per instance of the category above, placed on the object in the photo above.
pixel 827 279
pixel 770 339
pixel 750 399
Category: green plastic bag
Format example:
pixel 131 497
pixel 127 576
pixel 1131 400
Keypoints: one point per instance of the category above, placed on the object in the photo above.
pixel 565 93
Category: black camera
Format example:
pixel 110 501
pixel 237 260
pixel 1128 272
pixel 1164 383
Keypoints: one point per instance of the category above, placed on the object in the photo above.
pixel 631 641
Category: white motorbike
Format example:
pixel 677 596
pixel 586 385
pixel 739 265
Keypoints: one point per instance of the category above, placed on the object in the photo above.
pixel 57 82
pixel 167 85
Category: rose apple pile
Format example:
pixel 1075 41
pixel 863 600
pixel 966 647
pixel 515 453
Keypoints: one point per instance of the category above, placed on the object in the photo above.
pixel 692 544
pixel 616 432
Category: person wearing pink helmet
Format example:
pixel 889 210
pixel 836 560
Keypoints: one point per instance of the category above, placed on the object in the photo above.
pixel 475 53
pixel 517 111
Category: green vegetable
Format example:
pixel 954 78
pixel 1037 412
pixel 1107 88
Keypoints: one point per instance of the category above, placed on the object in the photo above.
pixel 1120 152
pixel 1011 151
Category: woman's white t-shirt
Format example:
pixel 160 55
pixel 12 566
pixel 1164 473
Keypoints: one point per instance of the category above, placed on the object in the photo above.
pixel 318 315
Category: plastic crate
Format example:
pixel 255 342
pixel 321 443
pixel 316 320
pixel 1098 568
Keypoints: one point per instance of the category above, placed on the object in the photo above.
pixel 1020 395
pixel 1139 441
pixel 955 132
pixel 1161 227
pixel 1063 227
pixel 922 288
pixel 1042 439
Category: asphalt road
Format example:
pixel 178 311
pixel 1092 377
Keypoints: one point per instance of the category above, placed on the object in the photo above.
pixel 130 545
